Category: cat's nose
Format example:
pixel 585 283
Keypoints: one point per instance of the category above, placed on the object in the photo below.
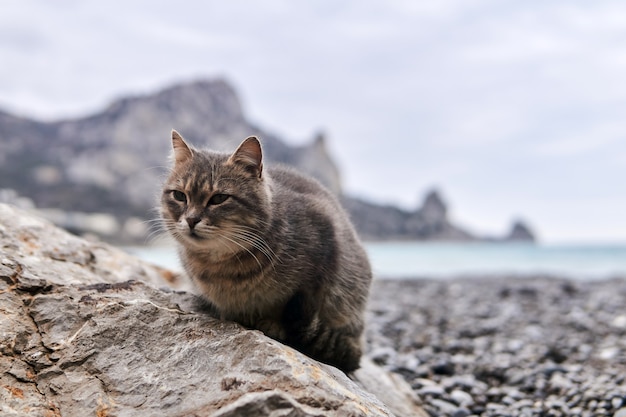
pixel 192 221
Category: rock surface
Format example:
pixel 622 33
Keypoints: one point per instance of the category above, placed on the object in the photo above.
pixel 85 330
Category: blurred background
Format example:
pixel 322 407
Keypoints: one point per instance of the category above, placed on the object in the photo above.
pixel 447 121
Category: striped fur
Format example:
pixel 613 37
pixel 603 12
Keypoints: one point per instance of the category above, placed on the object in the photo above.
pixel 270 249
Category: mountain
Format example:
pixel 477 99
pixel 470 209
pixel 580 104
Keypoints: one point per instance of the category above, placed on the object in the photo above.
pixel 113 161
pixel 102 173
pixel 428 222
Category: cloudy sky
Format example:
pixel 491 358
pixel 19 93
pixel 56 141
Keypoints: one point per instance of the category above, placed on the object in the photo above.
pixel 511 109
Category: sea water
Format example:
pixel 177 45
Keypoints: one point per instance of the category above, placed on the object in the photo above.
pixel 446 260
pixel 415 259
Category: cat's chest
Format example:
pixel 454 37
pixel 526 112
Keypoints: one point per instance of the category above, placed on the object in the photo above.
pixel 259 295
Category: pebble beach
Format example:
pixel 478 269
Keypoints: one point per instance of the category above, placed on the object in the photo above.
pixel 504 346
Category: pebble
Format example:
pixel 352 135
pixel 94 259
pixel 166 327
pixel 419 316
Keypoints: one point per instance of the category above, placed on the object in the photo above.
pixel 507 400
pixel 434 390
pixel 538 351
pixel 576 411
pixel 560 381
pixel 443 368
pixel 619 321
pixel 423 382
pixel 525 403
pixel 407 362
pixel 461 381
pixel 609 353
pixel 461 398
pixel 444 406
pixel 495 407
pixel 574 400
pixel 382 355
pixel 461 412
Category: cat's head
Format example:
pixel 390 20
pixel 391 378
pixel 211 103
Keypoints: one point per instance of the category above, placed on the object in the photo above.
pixel 216 201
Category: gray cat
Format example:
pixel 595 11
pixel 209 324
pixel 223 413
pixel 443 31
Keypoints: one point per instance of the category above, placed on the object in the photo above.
pixel 269 248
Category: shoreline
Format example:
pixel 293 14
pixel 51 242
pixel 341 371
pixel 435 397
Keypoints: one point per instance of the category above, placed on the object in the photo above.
pixel 500 277
pixel 504 346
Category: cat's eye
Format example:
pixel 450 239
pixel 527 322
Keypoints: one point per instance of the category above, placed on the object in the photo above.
pixel 179 196
pixel 218 199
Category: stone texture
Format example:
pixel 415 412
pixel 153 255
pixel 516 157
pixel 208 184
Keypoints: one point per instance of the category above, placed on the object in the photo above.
pixel 129 349
pixel 40 251
pixel 85 330
pixel 504 345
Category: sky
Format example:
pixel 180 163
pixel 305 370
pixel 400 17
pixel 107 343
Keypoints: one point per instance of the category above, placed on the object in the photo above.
pixel 512 110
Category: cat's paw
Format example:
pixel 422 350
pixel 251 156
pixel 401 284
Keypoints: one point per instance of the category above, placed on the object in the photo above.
pixel 271 328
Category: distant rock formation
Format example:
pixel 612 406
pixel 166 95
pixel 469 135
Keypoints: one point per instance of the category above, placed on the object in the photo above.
pixel 101 173
pixel 112 161
pixel 429 222
pixel 520 232
pixel 87 330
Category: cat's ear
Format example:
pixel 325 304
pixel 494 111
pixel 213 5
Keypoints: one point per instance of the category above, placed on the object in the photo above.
pixel 181 151
pixel 249 153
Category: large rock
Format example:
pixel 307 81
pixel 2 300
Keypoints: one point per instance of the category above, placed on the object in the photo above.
pixel 428 222
pixel 85 330
pixel 520 232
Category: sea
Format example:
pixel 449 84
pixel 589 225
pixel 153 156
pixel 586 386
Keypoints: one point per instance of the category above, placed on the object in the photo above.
pixel 442 260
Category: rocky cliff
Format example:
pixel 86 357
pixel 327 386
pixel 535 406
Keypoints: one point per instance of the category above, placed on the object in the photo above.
pixel 86 330
pixel 112 161
pixel 101 173
pixel 428 222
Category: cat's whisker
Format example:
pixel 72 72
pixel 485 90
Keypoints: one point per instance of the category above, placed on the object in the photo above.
pixel 254 244
pixel 246 241
pixel 154 230
pixel 259 243
pixel 154 235
pixel 250 230
pixel 255 236
pixel 151 221
pixel 233 250
pixel 157 228
pixel 243 247
pixel 155 167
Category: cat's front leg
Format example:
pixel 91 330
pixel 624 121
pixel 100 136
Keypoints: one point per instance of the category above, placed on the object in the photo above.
pixel 337 346
pixel 271 328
